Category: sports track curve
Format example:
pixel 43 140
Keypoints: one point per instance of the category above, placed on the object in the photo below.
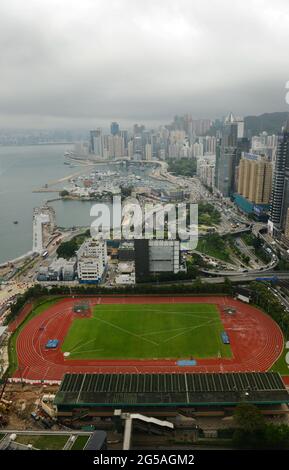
pixel 256 342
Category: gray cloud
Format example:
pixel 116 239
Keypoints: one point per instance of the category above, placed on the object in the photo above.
pixel 74 63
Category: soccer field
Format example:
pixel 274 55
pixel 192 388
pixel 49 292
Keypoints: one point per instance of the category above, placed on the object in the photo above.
pixel 147 331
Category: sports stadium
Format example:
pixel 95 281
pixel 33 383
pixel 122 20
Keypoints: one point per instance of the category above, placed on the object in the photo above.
pixel 141 334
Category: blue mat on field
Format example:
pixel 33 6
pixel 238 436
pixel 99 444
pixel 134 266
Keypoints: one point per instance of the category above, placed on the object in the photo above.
pixel 186 363
pixel 52 344
pixel 225 338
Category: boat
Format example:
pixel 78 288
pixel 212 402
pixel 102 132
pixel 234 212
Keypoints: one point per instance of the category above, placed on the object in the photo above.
pixel 15 222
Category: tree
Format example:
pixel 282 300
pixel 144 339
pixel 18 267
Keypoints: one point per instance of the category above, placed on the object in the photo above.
pixel 277 436
pixel 67 249
pixel 182 166
pixel 64 193
pixel 228 286
pixel 251 426
pixel 248 417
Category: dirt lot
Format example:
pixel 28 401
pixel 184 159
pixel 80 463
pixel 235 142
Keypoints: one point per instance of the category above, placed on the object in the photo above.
pixel 24 401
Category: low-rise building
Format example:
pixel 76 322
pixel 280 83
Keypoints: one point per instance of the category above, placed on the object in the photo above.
pixel 156 256
pixel 125 279
pixel 59 270
pixel 126 251
pixel 92 261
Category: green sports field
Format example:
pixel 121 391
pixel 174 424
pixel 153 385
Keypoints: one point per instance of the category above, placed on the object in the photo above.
pixel 147 331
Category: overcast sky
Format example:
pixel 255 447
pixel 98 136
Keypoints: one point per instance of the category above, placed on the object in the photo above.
pixel 83 63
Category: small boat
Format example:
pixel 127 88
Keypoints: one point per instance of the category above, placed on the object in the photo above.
pixel 15 222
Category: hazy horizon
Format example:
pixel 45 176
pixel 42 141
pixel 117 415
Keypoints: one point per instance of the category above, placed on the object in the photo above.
pixel 73 64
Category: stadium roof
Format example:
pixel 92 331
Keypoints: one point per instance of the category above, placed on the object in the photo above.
pixel 190 389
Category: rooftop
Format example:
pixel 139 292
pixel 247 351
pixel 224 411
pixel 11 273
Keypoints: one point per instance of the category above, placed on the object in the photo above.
pixel 187 389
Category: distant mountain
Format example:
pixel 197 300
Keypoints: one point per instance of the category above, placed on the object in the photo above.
pixel 269 122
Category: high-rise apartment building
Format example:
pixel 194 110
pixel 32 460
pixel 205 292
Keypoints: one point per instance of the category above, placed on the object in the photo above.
pixel 148 152
pixel 115 146
pixel 255 178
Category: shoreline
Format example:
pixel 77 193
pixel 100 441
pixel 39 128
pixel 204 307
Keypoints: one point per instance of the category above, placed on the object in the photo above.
pixel 16 260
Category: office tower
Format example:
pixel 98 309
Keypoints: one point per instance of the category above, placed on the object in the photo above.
pixel 114 128
pixel 255 178
pixel 92 135
pixel 226 156
pixel 230 131
pixel 96 142
pixel 138 147
pixel 241 127
pixel 124 135
pixel 280 193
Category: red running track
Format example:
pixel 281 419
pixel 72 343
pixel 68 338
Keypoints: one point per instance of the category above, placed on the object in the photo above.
pixel 256 342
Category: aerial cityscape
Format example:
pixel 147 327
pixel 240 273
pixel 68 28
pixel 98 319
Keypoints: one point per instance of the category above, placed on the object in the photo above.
pixel 144 236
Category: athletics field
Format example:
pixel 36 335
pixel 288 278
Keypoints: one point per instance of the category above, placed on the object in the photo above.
pixel 141 334
pixel 161 331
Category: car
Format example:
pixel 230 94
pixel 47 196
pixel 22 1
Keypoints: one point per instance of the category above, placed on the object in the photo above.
pixel 34 416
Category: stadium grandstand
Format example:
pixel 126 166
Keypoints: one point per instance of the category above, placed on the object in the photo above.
pixel 137 392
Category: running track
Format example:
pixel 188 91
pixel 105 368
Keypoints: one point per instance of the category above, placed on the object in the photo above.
pixel 256 342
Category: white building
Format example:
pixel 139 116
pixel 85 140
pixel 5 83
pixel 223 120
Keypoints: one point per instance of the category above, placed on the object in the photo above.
pixel 91 261
pixel 125 279
pixel 42 217
pixel 59 270
pixel 241 127
pixel 264 144
pixel 198 150
pixel 206 170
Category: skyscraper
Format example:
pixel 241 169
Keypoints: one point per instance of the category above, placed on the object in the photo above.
pixel 114 128
pixel 96 142
pixel 280 193
pixel 226 154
